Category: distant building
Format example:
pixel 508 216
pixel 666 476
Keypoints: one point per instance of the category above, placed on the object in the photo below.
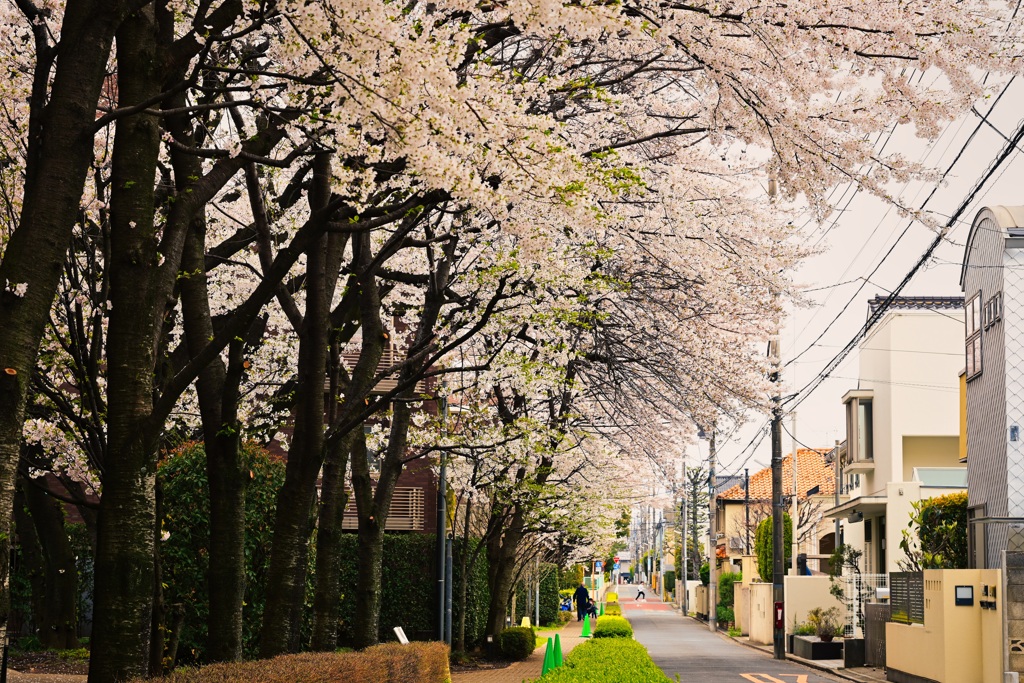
pixel 902 424
pixel 815 493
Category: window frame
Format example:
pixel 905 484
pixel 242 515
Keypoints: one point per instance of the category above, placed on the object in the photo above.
pixel 973 326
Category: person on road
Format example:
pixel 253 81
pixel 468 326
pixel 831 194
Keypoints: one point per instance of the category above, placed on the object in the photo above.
pixel 640 592
pixel 582 597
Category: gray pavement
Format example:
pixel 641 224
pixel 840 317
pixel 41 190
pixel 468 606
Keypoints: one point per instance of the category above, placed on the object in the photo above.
pixel 683 646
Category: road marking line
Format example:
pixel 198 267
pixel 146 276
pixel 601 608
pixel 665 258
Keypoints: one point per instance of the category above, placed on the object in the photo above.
pixel 765 678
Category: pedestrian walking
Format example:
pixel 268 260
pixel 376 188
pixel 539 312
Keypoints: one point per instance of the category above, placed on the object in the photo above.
pixel 582 597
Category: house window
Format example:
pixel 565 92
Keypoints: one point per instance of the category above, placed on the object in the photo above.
pixel 993 311
pixel 860 429
pixel 973 324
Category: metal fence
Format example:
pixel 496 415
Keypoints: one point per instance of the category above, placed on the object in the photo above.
pixel 858 591
pixel 875 617
pixel 906 597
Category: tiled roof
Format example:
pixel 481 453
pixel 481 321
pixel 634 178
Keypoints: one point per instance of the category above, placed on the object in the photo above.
pixel 930 303
pixel 812 470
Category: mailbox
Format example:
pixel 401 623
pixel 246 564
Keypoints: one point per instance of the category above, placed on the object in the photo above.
pixel 779 619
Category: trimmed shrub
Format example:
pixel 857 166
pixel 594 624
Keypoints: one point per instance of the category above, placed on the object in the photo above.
pixel 517 642
pixel 408 589
pixel 670 581
pixel 724 615
pixel 390 663
pixel 939 527
pixel 763 546
pixel 549 599
pixel 705 574
pixel 726 589
pixel 613 609
pixel 611 597
pixel 185 554
pixel 611 660
pixel 610 626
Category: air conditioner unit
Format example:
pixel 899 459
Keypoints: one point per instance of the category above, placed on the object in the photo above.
pixel 737 543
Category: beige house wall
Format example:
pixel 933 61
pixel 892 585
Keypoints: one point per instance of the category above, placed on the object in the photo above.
pixel 762 628
pixel 804 593
pixel 929 451
pixel 964 643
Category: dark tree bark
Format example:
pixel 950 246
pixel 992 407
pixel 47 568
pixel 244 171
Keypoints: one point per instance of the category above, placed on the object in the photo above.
pixel 54 576
pixel 60 149
pixel 289 556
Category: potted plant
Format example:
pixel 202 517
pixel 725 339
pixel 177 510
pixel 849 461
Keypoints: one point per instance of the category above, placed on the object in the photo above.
pixel 826 623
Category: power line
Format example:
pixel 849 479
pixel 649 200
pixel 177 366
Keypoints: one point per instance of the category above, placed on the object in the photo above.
pixel 892 248
pixel 876 314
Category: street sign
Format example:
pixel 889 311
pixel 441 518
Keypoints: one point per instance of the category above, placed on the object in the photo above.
pixel 598 565
pixel 615 566
pixel 616 559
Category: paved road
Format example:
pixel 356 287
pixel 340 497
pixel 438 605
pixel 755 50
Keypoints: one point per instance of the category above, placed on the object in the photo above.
pixel 680 645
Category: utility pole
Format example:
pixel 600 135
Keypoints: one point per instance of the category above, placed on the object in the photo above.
pixel 838 470
pixel 778 509
pixel 746 506
pixel 712 539
pixel 686 548
pixel 442 546
pixel 795 514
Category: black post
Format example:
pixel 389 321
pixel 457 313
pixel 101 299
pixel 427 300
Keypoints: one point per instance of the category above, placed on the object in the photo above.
pixel 442 523
pixel 778 510
pixel 448 593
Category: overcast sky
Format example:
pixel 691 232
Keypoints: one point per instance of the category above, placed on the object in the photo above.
pixel 856 242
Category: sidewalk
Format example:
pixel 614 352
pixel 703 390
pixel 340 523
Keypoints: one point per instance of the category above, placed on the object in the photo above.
pixel 833 666
pixel 529 668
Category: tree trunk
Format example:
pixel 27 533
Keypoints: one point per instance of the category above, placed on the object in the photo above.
pixel 501 570
pixel 60 150
pixel 124 558
pixel 59 627
pixel 327 597
pixel 288 559
pixel 221 435
pixel 464 568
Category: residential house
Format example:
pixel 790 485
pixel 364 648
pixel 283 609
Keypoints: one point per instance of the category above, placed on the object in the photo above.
pixel 902 424
pixel 993 352
pixel 815 493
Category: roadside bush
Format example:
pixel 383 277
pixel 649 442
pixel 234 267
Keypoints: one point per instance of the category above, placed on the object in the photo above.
pixel 725 615
pixel 613 627
pixel 549 594
pixel 565 616
pixel 613 609
pixel 390 663
pixel 726 588
pixel 937 534
pixel 763 546
pixel 610 660
pixel 185 554
pixel 517 642
pixel 670 581
pixel 705 574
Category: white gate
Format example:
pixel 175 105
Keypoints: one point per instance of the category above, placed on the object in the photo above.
pixel 858 590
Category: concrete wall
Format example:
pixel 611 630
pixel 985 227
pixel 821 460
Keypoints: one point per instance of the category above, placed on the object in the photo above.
pixel 761 627
pixel 956 644
pixel 700 602
pixel 929 451
pixel 804 593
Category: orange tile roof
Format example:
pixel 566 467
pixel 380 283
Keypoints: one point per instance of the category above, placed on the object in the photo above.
pixel 812 471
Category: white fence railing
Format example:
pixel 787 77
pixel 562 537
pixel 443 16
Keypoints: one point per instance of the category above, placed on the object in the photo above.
pixel 858 590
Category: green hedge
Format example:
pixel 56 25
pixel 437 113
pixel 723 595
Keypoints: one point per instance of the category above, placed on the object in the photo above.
pixel 518 642
pixel 613 609
pixel 390 663
pixel 726 589
pixel 763 546
pixel 408 589
pixel 609 660
pixel 185 554
pixel 613 627
pixel 670 581
pixel 549 599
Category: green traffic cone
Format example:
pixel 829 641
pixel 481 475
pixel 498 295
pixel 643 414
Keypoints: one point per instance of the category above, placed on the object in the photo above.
pixel 549 659
pixel 601 613
pixel 586 627
pixel 558 651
